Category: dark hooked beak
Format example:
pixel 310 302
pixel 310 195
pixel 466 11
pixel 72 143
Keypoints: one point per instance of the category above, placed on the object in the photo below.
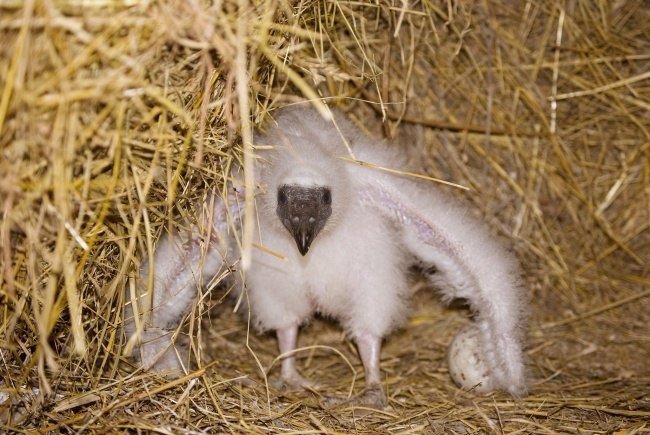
pixel 304 211
pixel 304 238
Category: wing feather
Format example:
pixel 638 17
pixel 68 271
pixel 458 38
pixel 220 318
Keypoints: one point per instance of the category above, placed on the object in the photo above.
pixel 474 266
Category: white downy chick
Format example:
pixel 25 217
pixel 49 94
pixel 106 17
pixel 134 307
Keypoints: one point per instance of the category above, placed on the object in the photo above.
pixel 349 232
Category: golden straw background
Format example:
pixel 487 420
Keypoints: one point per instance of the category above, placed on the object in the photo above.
pixel 117 116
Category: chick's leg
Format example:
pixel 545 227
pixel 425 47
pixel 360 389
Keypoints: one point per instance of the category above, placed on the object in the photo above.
pixel 287 339
pixel 369 346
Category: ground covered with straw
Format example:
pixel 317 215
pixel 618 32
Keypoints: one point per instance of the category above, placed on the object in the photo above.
pixel 116 116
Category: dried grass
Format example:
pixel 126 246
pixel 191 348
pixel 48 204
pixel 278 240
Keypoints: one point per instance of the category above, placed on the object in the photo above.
pixel 116 115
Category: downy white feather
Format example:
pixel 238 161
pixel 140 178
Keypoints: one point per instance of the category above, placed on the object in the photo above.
pixel 355 268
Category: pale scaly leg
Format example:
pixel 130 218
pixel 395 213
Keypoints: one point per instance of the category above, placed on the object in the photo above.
pixel 369 346
pixel 290 378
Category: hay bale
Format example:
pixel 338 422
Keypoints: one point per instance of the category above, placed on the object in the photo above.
pixel 116 116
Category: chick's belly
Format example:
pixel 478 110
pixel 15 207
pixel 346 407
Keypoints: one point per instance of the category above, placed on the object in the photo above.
pixel 328 275
pixel 343 264
pixel 278 293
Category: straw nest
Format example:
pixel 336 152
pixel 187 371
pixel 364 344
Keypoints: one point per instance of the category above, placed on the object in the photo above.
pixel 116 116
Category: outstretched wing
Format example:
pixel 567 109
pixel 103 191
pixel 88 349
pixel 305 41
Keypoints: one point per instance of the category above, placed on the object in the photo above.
pixel 167 284
pixel 471 264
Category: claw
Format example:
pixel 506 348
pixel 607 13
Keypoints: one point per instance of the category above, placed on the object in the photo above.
pixel 294 382
pixel 371 397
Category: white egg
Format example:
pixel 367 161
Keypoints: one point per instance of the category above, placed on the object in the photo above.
pixel 467 365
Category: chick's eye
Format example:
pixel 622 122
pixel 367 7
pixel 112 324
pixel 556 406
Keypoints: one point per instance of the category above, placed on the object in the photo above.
pixel 282 197
pixel 327 197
